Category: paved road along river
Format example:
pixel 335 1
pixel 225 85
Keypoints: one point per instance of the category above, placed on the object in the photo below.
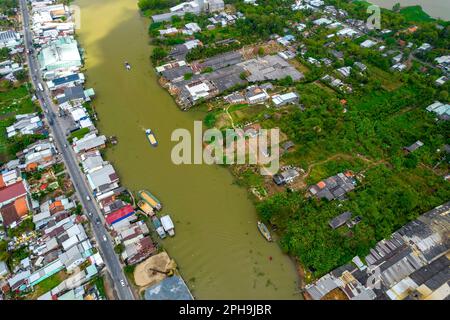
pixel 217 245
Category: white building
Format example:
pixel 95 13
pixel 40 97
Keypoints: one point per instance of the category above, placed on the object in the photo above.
pixel 368 43
pixel 280 100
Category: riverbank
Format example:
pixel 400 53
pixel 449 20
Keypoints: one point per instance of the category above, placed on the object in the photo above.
pixel 438 9
pixel 217 245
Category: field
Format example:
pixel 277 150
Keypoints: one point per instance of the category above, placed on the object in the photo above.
pixel 12 102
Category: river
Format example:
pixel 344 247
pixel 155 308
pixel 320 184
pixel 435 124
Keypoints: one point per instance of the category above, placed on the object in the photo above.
pixel 435 8
pixel 217 245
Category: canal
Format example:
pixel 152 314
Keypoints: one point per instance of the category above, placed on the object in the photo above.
pixel 217 245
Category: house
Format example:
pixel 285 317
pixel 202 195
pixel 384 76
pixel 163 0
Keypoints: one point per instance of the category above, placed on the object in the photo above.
pixel 9 177
pixel 340 220
pixel 424 47
pixel 68 80
pixel 29 123
pixel 103 180
pixel 441 81
pixel 191 28
pixel 347 32
pixel 269 68
pixel 399 67
pixel 367 44
pixel 61 53
pixel 14 204
pixel 282 99
pixel 176 74
pixel 397 58
pixel 337 54
pixel 92 161
pixel 3 269
pixel 9 39
pixel 285 177
pixel 120 214
pixel 334 187
pixel 254 94
pixel 89 142
pixel 9 67
pixel 345 71
pixel 443 62
pixel 75 94
pixel 235 97
pixel 39 155
pixel 200 89
pixel 72 258
pixel 288 145
pixel 195 7
pixel 361 66
pixel 138 251
pixel 168 31
pixel 322 21
pixel 287 55
pixel 442 110
pixel 416 145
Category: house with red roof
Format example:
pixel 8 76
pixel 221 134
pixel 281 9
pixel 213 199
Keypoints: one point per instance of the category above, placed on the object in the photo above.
pixel 120 214
pixel 13 203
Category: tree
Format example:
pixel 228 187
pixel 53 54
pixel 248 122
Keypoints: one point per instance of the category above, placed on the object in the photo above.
pixel 158 54
pixel 4 53
pixel 5 84
pixel 443 95
pixel 396 7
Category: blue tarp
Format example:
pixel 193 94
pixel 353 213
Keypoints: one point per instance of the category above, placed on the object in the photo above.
pixel 171 288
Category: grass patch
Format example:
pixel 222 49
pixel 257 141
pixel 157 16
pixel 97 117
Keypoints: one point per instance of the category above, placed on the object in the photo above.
pixel 80 133
pixel 48 284
pixel 389 81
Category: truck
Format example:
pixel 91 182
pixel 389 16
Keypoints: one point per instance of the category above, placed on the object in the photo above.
pixel 41 88
pixel 150 199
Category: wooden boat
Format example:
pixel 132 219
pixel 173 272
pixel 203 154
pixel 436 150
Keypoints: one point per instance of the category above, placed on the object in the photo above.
pixel 150 199
pixel 151 137
pixel 264 231
pixel 146 208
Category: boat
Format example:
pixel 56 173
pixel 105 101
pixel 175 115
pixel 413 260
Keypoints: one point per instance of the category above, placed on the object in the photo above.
pixel 264 231
pixel 151 137
pixel 150 199
pixel 146 208
pixel 168 225
pixel 127 65
pixel 159 228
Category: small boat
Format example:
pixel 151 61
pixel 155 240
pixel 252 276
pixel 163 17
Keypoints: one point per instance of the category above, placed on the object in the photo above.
pixel 151 137
pixel 127 65
pixel 159 228
pixel 168 225
pixel 150 199
pixel 146 208
pixel 264 231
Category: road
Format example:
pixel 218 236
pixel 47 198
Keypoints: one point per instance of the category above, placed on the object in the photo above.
pixel 106 248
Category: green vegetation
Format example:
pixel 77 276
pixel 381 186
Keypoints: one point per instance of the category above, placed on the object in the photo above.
pixel 80 133
pixel 48 284
pixel 415 14
pixel 26 225
pixel 13 101
pixel 99 282
pixel 335 131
